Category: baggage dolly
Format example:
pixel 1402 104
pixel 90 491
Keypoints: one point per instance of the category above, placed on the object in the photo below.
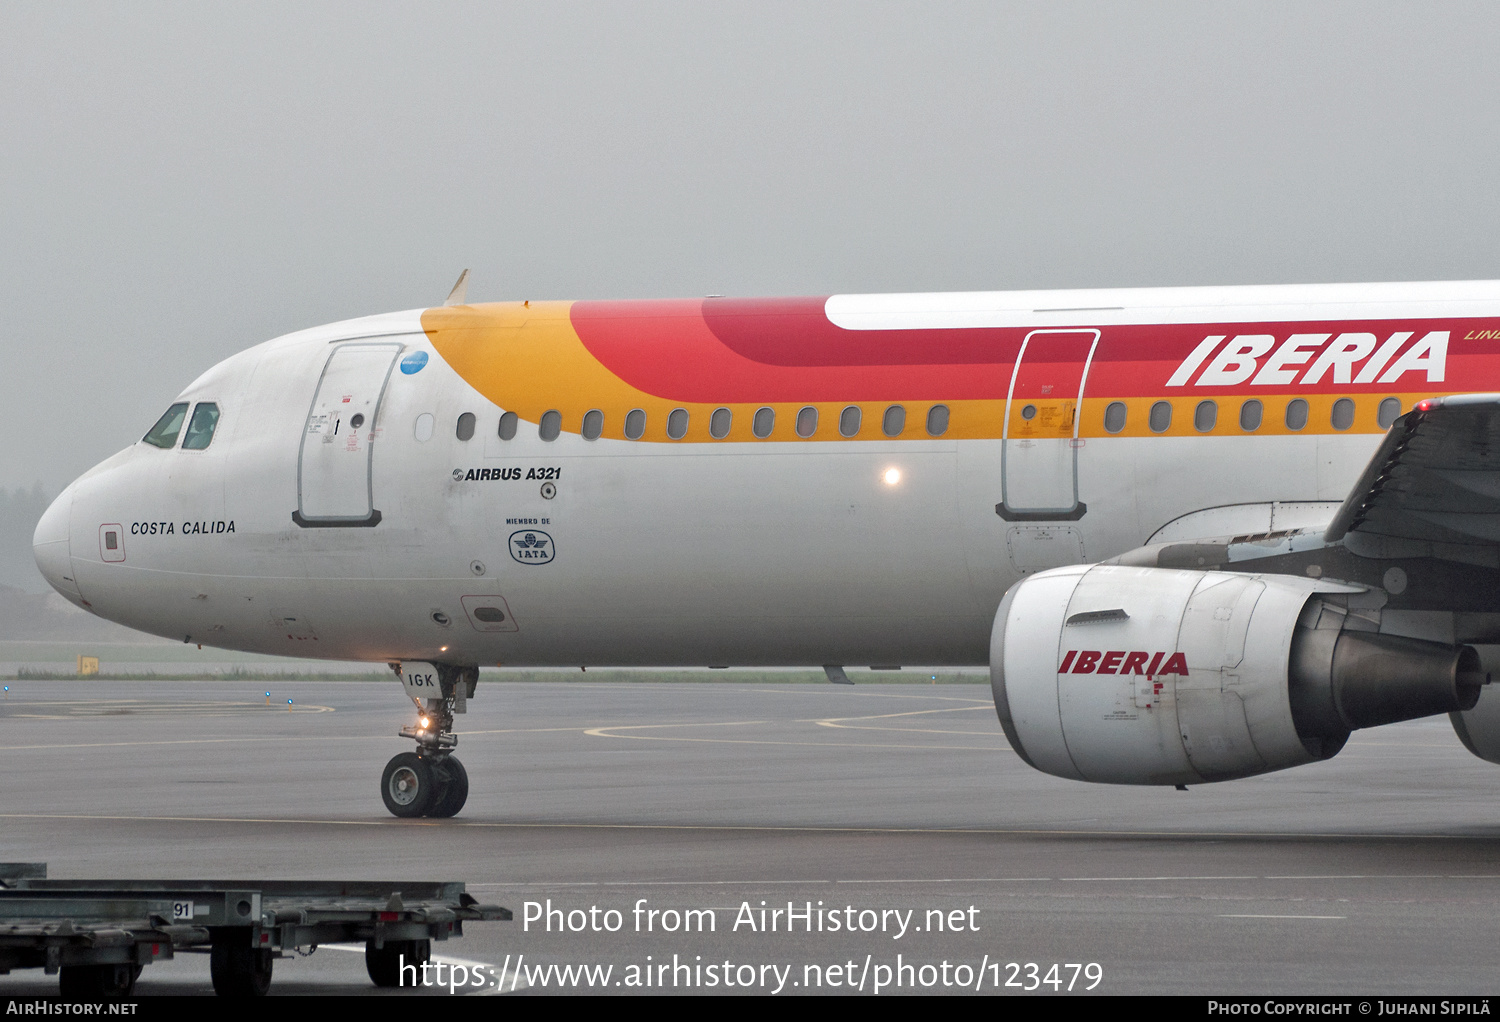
pixel 97 935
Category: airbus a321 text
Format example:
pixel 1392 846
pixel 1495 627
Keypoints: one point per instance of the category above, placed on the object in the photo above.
pixel 1196 533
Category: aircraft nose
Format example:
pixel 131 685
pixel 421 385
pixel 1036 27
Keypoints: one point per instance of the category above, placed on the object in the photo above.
pixel 51 546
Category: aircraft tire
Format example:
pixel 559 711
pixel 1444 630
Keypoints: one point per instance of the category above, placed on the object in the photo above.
pixel 453 792
pixel 407 785
pixel 385 964
pixel 239 970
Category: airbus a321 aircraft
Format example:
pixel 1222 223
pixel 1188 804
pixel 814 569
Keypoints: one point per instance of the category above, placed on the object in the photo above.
pixel 1197 533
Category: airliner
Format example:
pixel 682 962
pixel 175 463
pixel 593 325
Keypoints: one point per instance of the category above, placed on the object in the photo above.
pixel 1196 534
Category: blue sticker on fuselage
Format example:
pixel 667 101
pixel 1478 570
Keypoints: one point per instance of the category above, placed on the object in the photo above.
pixel 413 363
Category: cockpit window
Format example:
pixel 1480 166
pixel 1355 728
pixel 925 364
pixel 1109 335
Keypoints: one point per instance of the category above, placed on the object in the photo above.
pixel 164 433
pixel 201 430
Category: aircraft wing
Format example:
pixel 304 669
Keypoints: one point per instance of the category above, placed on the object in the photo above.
pixel 1435 480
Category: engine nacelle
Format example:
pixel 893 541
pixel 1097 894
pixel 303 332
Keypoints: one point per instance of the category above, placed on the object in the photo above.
pixel 1156 676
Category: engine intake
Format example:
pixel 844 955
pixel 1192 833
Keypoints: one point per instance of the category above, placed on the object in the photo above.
pixel 1131 675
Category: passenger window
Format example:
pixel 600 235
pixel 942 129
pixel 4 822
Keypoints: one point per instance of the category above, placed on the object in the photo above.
pixel 465 429
pixel 1296 414
pixel 422 428
pixel 1390 411
pixel 164 433
pixel 937 420
pixel 677 423
pixel 200 431
pixel 593 424
pixel 763 423
pixel 1161 417
pixel 894 421
pixel 1114 417
pixel 635 424
pixel 508 423
pixel 849 421
pixel 719 423
pixel 551 426
pixel 1205 416
pixel 1343 413
pixel 1250 413
pixel 807 422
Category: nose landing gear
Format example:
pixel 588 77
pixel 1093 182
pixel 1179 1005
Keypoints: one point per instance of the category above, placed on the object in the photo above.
pixel 431 781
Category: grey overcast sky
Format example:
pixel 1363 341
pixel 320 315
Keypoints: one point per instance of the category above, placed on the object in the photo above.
pixel 183 180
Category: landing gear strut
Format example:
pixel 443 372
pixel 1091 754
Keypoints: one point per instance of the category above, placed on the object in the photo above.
pixel 430 781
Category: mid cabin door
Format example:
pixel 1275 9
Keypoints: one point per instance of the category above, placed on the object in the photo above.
pixel 1040 459
pixel 333 466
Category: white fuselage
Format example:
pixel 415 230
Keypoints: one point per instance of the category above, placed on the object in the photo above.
pixel 734 553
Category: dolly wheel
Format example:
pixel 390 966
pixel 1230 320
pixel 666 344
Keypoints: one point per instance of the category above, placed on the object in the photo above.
pixel 398 963
pixel 239 970
pixel 96 982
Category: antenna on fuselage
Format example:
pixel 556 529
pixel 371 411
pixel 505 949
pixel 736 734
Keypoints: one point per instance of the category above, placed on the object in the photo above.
pixel 460 290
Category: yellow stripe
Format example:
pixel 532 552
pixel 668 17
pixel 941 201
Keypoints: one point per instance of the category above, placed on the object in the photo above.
pixel 1273 415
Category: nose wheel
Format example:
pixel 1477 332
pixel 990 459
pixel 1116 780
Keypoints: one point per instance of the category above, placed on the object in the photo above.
pixel 416 785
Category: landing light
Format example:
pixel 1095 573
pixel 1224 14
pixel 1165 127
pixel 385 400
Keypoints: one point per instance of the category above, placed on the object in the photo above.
pixel 424 722
pixel 892 476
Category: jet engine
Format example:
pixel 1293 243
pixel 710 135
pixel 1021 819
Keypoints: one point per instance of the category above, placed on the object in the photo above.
pixel 1129 675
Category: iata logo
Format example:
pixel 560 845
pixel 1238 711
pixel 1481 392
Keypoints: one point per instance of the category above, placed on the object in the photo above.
pixel 1348 358
pixel 532 547
pixel 1122 661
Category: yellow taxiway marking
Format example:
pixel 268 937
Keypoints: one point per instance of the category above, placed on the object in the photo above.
pixel 840 722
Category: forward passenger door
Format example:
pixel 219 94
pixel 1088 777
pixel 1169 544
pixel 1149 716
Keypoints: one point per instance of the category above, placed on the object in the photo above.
pixel 334 463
